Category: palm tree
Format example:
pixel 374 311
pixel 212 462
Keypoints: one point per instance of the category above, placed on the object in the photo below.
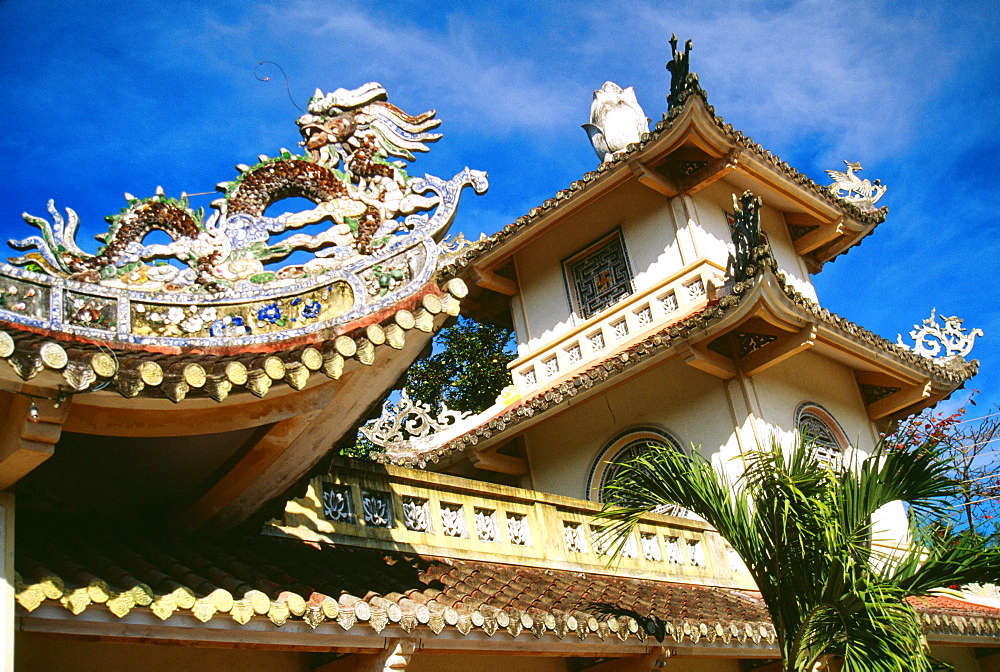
pixel 804 527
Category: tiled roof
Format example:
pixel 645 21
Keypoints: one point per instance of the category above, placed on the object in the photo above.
pixel 87 566
pixel 662 127
pixel 630 355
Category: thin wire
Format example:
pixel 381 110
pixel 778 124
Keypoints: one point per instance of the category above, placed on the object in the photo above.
pixel 288 90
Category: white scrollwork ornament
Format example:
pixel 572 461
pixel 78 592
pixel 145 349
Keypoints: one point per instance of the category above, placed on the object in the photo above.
pixel 934 341
pixel 407 420
pixel 377 508
pixel 416 514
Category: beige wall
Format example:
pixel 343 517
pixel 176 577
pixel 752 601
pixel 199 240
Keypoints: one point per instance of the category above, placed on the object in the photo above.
pixel 713 239
pixel 962 658
pixel 492 663
pixel 688 664
pixel 648 230
pixel 55 653
pixel 691 405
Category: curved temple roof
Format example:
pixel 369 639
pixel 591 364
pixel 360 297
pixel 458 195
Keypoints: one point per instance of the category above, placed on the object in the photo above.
pixel 376 240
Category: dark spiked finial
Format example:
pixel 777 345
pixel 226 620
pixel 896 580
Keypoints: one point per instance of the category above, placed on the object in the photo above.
pixel 745 228
pixel 683 82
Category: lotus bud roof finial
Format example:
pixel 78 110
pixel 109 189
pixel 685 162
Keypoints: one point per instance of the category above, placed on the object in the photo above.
pixel 616 120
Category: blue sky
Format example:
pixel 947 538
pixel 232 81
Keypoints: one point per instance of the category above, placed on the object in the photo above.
pixel 103 98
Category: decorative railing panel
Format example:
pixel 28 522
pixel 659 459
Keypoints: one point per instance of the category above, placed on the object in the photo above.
pixel 675 297
pixel 392 508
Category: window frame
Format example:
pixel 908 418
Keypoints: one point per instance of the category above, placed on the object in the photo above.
pixel 611 452
pixel 569 282
pixel 836 432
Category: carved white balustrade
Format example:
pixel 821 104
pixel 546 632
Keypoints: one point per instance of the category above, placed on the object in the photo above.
pixel 593 340
pixel 392 508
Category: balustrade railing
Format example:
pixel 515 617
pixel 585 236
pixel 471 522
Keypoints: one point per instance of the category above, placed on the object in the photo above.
pixel 392 508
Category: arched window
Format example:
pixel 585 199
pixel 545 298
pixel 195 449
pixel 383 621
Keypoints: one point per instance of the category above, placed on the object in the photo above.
pixel 624 447
pixel 820 429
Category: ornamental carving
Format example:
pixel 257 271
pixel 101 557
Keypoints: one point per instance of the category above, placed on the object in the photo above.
pixel 409 419
pixel 744 225
pixel 616 120
pixel 374 235
pixel 933 340
pixel 683 82
pixel 851 188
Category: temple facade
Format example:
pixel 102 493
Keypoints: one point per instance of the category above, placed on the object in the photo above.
pixel 173 498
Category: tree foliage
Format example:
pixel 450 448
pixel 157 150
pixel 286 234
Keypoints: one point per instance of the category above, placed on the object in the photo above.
pixel 467 369
pixel 804 529
pixel 971 447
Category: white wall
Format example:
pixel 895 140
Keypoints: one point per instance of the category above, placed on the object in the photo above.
pixel 650 243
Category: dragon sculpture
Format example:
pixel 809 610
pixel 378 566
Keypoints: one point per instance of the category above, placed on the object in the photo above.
pixel 353 171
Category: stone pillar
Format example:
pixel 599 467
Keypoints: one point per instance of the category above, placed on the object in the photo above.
pixel 7 619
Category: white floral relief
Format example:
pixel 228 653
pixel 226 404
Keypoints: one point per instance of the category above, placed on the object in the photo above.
pixel 573 536
pixel 696 555
pixel 416 514
pixel 486 525
pixel 620 329
pixel 650 547
pixel 673 550
pixel 574 354
pixel 453 520
pixel 669 302
pixel 518 530
pixel 644 316
pixel 377 508
pixel 528 376
pixel 596 341
pixel 551 366
pixel 695 289
pixel 337 505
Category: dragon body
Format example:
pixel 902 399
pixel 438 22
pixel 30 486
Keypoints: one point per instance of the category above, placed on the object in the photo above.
pixel 349 137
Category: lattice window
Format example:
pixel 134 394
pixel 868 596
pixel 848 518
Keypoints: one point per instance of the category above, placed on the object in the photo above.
pixel 820 429
pixel 599 276
pixel 338 507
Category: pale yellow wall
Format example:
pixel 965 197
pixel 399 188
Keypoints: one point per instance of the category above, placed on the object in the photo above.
pixel 483 663
pixel 780 390
pixel 689 664
pixel 55 653
pixel 691 405
pixel 648 230
pixel 713 239
pixel 962 658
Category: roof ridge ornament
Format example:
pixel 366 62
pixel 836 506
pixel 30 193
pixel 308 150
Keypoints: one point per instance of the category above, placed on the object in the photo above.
pixel 745 230
pixel 931 337
pixel 851 188
pixel 409 419
pixel 616 121
pixel 683 82
pixel 375 235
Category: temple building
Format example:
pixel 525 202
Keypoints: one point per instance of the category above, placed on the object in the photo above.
pixel 172 497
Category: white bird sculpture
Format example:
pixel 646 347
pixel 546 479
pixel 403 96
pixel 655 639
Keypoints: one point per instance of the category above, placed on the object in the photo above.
pixel 616 120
